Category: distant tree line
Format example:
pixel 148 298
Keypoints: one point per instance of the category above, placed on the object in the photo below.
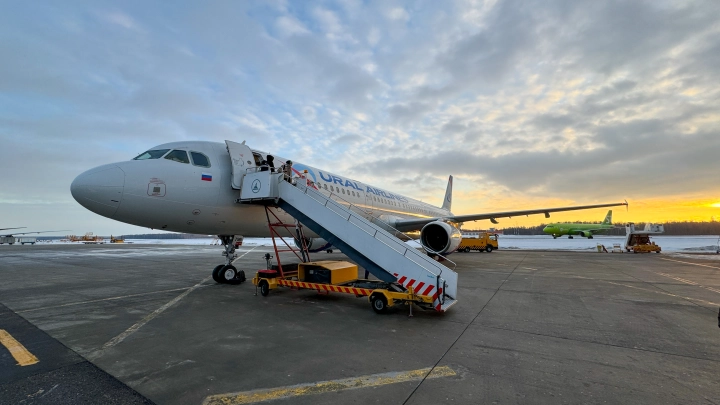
pixel 671 228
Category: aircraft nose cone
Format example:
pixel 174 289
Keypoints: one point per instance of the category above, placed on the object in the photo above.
pixel 100 189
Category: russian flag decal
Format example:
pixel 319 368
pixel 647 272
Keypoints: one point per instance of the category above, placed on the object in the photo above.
pixel 206 177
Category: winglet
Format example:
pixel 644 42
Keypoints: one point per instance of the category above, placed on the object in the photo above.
pixel 447 202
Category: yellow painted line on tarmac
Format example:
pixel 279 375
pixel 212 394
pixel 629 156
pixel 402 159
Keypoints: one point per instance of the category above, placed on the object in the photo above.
pixel 373 380
pixel 18 351
pixel 694 264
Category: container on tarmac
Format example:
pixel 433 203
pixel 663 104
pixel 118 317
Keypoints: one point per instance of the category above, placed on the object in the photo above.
pixel 484 242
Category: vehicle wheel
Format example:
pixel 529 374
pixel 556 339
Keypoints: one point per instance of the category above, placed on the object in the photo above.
pixel 264 288
pixel 329 250
pixel 488 248
pixel 216 273
pixel 570 237
pixel 379 304
pixel 467 250
pixel 227 273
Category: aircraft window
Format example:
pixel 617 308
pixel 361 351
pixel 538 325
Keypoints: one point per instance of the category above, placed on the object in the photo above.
pixel 325 185
pixel 152 154
pixel 199 159
pixel 343 191
pixel 178 156
pixel 353 193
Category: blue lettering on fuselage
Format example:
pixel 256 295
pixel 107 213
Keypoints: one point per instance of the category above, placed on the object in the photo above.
pixel 322 176
pixel 332 179
pixel 337 180
pixel 349 183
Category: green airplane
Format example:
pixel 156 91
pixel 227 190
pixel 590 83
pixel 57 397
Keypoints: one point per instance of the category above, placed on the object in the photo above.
pixel 585 230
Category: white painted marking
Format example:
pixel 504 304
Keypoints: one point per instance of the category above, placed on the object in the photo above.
pixel 129 331
pixel 694 264
pixel 652 291
pixel 102 299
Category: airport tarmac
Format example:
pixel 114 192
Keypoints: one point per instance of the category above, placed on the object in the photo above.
pixel 145 323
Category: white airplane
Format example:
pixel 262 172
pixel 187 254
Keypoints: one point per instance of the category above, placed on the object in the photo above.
pixel 192 187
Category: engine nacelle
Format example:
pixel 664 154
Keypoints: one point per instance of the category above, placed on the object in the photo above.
pixel 315 244
pixel 440 237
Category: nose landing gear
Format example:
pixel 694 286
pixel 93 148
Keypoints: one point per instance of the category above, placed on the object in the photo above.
pixel 227 273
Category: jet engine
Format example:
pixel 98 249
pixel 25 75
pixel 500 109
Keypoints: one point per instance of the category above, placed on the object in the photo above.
pixel 586 234
pixel 315 244
pixel 440 237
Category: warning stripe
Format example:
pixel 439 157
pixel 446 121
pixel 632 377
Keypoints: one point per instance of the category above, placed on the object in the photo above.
pixel 326 287
pixel 428 289
pixel 363 292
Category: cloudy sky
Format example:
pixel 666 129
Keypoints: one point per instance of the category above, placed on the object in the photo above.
pixel 527 103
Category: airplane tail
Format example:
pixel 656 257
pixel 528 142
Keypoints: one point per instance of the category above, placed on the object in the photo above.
pixel 447 202
pixel 608 218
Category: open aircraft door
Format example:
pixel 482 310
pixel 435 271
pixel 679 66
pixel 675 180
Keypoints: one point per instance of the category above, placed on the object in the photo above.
pixel 241 159
pixel 368 203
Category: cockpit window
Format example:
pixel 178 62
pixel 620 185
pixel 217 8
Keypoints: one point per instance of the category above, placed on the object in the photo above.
pixel 199 159
pixel 178 156
pixel 152 154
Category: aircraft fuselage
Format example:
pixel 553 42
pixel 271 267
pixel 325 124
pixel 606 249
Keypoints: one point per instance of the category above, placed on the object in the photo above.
pixel 160 193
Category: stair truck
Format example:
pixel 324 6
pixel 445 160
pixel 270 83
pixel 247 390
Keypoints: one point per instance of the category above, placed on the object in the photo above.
pixel 638 241
pixel 328 276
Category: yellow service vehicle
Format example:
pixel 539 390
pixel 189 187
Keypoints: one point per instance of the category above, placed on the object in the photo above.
pixel 641 244
pixel 485 241
pixel 338 276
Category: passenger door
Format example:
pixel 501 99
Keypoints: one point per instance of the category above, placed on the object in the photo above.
pixel 241 159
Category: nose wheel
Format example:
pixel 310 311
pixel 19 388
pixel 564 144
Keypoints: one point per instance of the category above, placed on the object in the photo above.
pixel 227 273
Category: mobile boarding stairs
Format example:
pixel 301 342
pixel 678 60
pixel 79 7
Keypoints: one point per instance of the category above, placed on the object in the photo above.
pixel 369 245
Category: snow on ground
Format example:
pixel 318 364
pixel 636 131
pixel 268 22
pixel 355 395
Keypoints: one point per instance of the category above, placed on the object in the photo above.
pixel 670 244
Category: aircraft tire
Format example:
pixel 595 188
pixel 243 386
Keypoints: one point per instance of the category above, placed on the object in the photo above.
pixel 264 288
pixel 590 237
pixel 570 237
pixel 379 304
pixel 488 248
pixel 216 273
pixel 227 274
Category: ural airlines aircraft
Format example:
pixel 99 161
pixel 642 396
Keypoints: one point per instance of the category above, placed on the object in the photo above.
pixel 192 187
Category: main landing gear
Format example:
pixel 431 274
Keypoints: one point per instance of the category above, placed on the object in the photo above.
pixel 227 273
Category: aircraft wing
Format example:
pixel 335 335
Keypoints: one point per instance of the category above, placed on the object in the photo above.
pixel 3 229
pixel 27 233
pixel 405 225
